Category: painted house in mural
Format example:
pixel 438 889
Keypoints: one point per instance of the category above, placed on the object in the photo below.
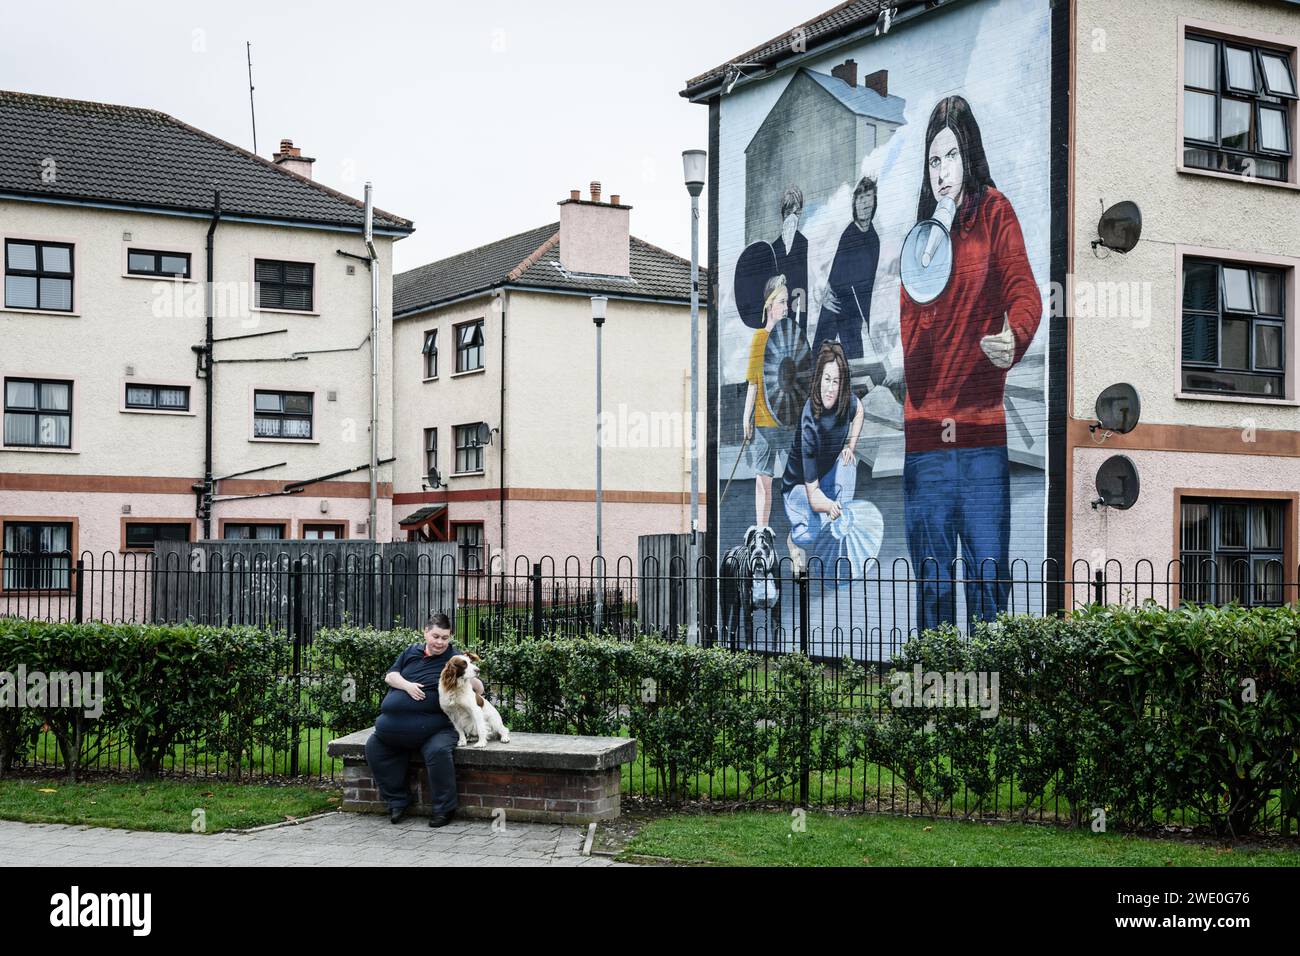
pixel 966 443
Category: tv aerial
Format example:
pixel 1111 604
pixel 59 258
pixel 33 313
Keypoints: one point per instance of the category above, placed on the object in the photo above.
pixel 1117 483
pixel 1119 228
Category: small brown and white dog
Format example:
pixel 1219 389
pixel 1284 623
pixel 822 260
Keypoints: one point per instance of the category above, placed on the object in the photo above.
pixel 470 713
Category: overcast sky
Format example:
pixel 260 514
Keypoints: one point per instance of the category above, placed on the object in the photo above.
pixel 472 118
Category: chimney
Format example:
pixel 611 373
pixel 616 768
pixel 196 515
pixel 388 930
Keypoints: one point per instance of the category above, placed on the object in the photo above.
pixel 846 71
pixel 291 158
pixel 878 81
pixel 594 235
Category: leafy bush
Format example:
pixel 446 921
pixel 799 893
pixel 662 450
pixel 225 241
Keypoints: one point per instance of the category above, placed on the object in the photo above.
pixel 352 662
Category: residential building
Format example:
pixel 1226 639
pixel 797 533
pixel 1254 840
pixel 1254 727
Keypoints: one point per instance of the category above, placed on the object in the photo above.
pixel 995 317
pixel 129 415
pixel 495 383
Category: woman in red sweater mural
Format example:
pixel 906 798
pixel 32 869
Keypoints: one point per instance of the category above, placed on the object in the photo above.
pixel 956 353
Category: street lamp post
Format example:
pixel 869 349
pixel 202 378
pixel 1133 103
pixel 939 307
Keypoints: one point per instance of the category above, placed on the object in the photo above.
pixel 694 170
pixel 598 305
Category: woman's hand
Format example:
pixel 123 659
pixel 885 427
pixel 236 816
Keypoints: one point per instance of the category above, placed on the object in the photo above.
pixel 414 690
pixel 749 428
pixel 847 453
pixel 1001 348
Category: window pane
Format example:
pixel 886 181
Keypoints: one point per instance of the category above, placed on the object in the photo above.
pixel 1198 64
pixel 139 262
pixel 1201 286
pixel 20 394
pixel 1268 292
pixel 1240 383
pixel 295 298
pixel 20 292
pixel 1277 74
pixel 1241 68
pixel 267 401
pixel 54 396
pixel 55 431
pixel 1196 526
pixel 1269 169
pixel 1266 527
pixel 1232 525
pixel 1236 290
pixel 296 428
pixel 56 294
pixel 1267 578
pixel 1234 131
pixel 1272 129
pixel 172 397
pixel 22 256
pixel 1268 346
pixel 20 429
pixel 56 259
pixel 266 427
pixel 1198 116
pixel 298 404
pixel 175 265
pixel 1235 350
pixel 139 395
pixel 266 271
pixel 267 532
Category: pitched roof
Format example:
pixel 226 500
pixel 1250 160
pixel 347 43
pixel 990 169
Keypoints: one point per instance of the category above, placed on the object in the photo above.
pixel 532 259
pixel 862 99
pixel 816 32
pixel 126 155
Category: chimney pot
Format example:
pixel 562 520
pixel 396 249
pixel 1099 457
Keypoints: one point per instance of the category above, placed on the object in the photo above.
pixel 614 199
pixel 575 194
pixel 292 159
pixel 595 191
pixel 878 81
pixel 846 71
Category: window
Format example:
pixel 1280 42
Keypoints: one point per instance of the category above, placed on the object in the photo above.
pixel 143 534
pixel 1237 103
pixel 38 275
pixel 1232 550
pixel 469 346
pixel 469 451
pixel 145 262
pixel 253 532
pixel 38 413
pixel 322 532
pixel 1234 329
pixel 284 285
pixel 430 450
pixel 282 415
pixel 469 547
pixel 430 352
pixel 38 556
pixel 161 398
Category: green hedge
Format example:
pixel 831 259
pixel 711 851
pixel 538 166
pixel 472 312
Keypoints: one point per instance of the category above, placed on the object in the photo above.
pixel 162 685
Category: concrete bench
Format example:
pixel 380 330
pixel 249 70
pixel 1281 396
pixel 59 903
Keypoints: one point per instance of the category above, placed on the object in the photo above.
pixel 539 778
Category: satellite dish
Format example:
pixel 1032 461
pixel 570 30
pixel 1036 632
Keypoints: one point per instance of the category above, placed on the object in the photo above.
pixel 484 434
pixel 433 479
pixel 925 265
pixel 787 372
pixel 1120 227
pixel 1118 409
pixel 1117 483
pixel 755 266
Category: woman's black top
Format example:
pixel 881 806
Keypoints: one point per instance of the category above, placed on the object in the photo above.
pixel 425 671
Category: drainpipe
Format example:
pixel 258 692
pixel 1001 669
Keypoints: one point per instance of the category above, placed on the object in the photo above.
pixel 373 527
pixel 205 507
pixel 502 297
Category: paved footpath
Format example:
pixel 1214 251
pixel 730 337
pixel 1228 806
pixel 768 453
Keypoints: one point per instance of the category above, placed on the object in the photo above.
pixel 336 839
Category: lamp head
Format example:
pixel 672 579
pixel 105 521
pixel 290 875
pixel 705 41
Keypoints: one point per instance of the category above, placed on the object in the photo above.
pixel 598 304
pixel 694 170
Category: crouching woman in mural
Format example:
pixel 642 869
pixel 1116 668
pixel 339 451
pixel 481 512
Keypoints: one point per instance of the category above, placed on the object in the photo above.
pixel 821 473
pixel 957 350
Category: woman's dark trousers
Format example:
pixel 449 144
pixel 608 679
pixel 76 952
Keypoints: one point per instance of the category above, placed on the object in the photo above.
pixel 389 749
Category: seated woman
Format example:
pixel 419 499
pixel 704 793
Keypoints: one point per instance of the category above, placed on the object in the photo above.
pixel 821 473
pixel 410 719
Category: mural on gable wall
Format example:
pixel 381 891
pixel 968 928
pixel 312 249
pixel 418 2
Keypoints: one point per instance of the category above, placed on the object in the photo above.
pixel 884 239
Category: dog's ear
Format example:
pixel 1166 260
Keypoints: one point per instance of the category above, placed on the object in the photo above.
pixel 474 657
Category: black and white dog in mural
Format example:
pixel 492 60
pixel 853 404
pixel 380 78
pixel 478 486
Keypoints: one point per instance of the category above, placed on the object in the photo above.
pixel 749 584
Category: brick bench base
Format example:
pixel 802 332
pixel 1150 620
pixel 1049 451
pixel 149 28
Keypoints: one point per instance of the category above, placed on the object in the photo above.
pixel 540 778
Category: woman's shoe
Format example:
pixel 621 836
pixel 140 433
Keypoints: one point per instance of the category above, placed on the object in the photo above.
pixel 441 819
pixel 395 816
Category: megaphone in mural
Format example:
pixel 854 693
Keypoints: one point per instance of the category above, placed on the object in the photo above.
pixel 925 265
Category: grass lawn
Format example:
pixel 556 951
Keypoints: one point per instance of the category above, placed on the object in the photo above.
pixel 165 805
pixel 767 839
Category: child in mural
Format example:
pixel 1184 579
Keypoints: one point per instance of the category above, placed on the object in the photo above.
pixel 853 277
pixel 791 248
pixel 768 441
pixel 821 472
pixel 957 350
